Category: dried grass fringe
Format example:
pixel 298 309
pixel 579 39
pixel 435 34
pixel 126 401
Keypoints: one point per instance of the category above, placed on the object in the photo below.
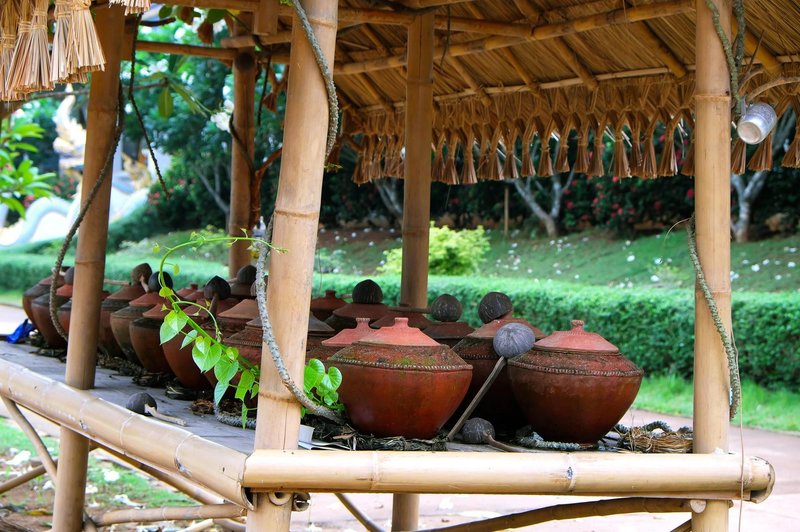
pixel 510 170
pixel 636 160
pixel 495 167
pixel 596 169
pixel 85 52
pixel 668 165
pixel 8 38
pixel 762 158
pixel 581 165
pixel 687 168
pixel 132 7
pixel 620 166
pixel 528 170
pixel 450 176
pixel 649 168
pixel 545 161
pixel 739 157
pixel 437 169
pixel 468 175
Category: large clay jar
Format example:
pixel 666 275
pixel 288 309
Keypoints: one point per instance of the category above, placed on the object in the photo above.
pixel 318 331
pixel 574 386
pixel 323 307
pixel 367 303
pixel 399 382
pixel 241 287
pixel 447 330
pixel 416 318
pixel 146 338
pixel 180 359
pixel 121 321
pixel 234 314
pixel 327 348
pixel 64 312
pixel 116 301
pixel 248 342
pixel 40 309
pixel 37 290
pixel 498 405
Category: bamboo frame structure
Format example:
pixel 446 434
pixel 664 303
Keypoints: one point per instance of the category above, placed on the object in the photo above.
pixel 178 513
pixel 295 228
pixel 712 211
pixel 89 267
pixel 242 154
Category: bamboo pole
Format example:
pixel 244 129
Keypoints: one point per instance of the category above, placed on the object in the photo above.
pixel 89 267
pixel 150 441
pixel 356 512
pixel 242 165
pixel 572 511
pixel 179 513
pixel 27 429
pixel 24 478
pixel 295 228
pixel 551 473
pixel 712 211
pixel 223 54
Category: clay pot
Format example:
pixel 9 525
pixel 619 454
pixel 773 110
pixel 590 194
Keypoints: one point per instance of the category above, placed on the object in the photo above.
pixel 249 342
pixel 323 307
pixel 146 338
pixel 241 287
pixel 40 310
pixel 499 405
pixel 416 318
pixel 448 333
pixel 37 290
pixel 180 359
pixel 574 386
pixel 116 301
pixel 122 319
pixel 318 331
pixel 183 293
pixel 64 313
pixel 327 348
pixel 345 317
pixel 233 314
pixel 399 382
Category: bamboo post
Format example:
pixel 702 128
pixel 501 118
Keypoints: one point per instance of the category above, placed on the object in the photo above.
pixel 89 267
pixel 416 199
pixel 295 229
pixel 712 211
pixel 244 90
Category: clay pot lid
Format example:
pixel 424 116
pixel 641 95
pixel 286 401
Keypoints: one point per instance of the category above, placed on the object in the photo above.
pixel 194 296
pixel 157 312
pixel 183 292
pixel 147 300
pixel 400 334
pixel 346 337
pixel 328 301
pixel 415 317
pixel 577 340
pixel 448 329
pixel 64 290
pixel 241 289
pixel 255 322
pixel 127 293
pixel 246 309
pixel 317 326
pixel 373 311
pixel 489 330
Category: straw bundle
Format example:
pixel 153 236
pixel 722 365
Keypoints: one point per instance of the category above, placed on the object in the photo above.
pixel 468 175
pixel 450 176
pixel 495 167
pixel 739 157
pixel 619 165
pixel 581 165
pixel 85 52
pixel 762 158
pixel 545 162
pixel 511 134
pixel 636 159
pixel 132 7
pixel 562 161
pixel 484 141
pixel 656 437
pixel 437 168
pixel 687 168
pixel 528 169
pixel 649 169
pixel 668 165
pixel 8 37
pixel 19 65
pixel 792 157
pixel 596 169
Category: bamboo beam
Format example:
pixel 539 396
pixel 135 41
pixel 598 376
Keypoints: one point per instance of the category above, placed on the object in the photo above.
pixel 178 451
pixel 179 513
pixel 266 17
pixel 552 473
pixel 27 429
pixel 295 228
pixel 474 86
pixel 572 511
pixel 356 512
pixel 242 152
pixel 24 478
pixel 424 4
pixel 89 267
pixel 764 55
pixel 712 211
pixel 223 54
pixel 521 71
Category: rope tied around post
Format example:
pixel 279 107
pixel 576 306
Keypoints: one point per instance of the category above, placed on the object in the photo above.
pixel 727 340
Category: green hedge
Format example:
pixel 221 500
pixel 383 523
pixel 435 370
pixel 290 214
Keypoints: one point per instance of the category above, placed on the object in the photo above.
pixel 654 328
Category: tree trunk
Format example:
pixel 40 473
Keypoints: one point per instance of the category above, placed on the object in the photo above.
pixel 390 194
pixel 548 218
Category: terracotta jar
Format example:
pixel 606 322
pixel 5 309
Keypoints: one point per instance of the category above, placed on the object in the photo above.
pixel 318 331
pixel 37 290
pixel 399 382
pixel 574 386
pixel 146 338
pixel 416 318
pixel 323 307
pixel 446 329
pixel 122 319
pixel 187 291
pixel 327 348
pixel 233 314
pixel 114 302
pixel 367 303
pixel 40 308
pixel 498 405
pixel 248 342
pixel 180 359
pixel 64 312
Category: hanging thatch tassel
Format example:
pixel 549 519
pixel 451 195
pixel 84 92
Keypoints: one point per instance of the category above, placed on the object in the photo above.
pixel 132 7
pixel 8 36
pixel 597 169
pixel 86 54
pixel 392 160
pixel 59 68
pixel 739 157
pixel 495 167
pixel 484 146
pixel 510 170
pixel 687 168
pixel 762 158
pixel 528 170
pixel 620 166
pixel 668 165
pixel 581 165
pixel 636 160
pixel 545 161
pixel 649 168
pixel 437 169
pixel 18 68
pixel 792 157
pixel 450 176
pixel 468 175
pixel 562 159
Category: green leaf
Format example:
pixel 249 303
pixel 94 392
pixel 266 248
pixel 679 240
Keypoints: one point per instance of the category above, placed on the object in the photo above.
pixel 165 291
pixel 214 354
pixel 189 338
pixel 176 269
pixel 335 377
pixel 165 103
pixel 219 391
pixel 245 410
pixel 200 354
pixel 165 12
pixel 312 375
pixel 246 381
pixel 156 248
pixel 215 15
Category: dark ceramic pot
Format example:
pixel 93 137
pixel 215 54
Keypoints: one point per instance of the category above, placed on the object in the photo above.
pixel 574 386
pixel 327 348
pixel 116 301
pixel 448 333
pixel 345 317
pixel 64 313
pixel 399 382
pixel 40 309
pixel 323 307
pixel 416 318
pixel 37 290
pixel 180 359
pixel 318 331
pixel 146 339
pixel 242 291
pixel 498 405
pixel 121 321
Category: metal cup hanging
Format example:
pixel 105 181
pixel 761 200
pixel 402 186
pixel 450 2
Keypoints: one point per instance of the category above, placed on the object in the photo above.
pixel 757 122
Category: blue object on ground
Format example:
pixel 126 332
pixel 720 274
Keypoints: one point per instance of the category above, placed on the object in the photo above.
pixel 20 333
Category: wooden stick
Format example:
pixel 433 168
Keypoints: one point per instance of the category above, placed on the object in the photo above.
pixel 180 513
pixel 242 171
pixel 24 478
pixel 572 511
pixel 26 427
pixel 712 211
pixel 356 512
pixel 224 54
pixel 484 389
pixel 576 473
pixel 764 55
pixel 89 268
pixel 295 228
